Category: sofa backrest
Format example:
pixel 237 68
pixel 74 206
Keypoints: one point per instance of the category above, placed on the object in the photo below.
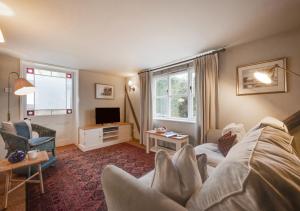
pixel 259 173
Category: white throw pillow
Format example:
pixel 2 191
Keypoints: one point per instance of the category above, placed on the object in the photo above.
pixel 237 129
pixel 9 127
pixel 179 177
pixel 271 121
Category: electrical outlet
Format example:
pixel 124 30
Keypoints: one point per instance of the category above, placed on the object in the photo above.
pixel 7 90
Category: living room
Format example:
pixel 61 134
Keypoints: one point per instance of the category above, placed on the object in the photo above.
pixel 124 99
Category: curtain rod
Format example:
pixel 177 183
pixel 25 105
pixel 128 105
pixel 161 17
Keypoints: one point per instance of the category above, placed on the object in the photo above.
pixel 185 60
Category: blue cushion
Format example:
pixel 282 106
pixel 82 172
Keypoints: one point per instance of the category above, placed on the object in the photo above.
pixel 23 129
pixel 39 140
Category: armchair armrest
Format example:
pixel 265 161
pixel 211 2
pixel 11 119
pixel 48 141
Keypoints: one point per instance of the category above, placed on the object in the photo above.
pixel 124 192
pixel 43 131
pixel 213 135
pixel 14 142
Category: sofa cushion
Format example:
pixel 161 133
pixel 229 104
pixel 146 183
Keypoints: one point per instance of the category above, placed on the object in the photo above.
pixel 214 156
pixel 177 178
pixel 237 129
pixel 147 178
pixel 258 173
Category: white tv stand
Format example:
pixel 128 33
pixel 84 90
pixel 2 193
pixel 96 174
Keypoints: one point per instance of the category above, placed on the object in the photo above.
pixel 98 136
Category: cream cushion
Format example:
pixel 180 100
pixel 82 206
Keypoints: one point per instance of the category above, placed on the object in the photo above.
pixel 237 129
pixel 214 156
pixel 179 177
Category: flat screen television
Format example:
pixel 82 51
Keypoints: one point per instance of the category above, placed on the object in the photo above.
pixel 107 115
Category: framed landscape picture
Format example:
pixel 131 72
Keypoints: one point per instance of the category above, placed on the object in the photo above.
pixel 104 91
pixel 247 84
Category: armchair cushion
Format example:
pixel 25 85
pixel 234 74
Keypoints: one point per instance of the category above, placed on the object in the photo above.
pixel 39 140
pixel 23 128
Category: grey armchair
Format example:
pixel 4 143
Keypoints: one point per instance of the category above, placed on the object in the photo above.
pixel 21 139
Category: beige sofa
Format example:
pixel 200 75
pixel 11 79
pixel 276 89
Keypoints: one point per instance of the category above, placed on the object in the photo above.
pixel 261 172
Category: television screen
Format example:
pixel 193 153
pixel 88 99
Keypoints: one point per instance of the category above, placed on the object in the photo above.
pixel 107 115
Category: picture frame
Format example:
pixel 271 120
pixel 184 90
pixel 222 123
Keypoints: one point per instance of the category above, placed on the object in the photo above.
pixel 104 91
pixel 247 84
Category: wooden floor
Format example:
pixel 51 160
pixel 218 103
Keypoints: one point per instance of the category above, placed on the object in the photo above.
pixel 17 199
pixel 136 143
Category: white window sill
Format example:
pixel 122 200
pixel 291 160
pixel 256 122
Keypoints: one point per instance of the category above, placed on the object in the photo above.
pixel 175 120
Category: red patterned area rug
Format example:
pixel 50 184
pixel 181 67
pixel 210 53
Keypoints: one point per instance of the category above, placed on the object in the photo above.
pixel 74 183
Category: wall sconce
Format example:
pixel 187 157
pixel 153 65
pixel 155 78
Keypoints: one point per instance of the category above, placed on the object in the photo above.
pixel 131 86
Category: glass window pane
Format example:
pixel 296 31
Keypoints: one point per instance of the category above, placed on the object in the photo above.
pixel 179 106
pixel 30 77
pixel 42 112
pixel 161 86
pixel 30 101
pixel 50 92
pixel 59 112
pixel 69 93
pixel 59 74
pixel 42 72
pixel 162 107
pixel 179 83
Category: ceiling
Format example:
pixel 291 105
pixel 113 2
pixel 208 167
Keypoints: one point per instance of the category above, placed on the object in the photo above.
pixel 124 36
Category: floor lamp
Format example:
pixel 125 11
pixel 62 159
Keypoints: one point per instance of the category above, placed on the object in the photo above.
pixel 22 87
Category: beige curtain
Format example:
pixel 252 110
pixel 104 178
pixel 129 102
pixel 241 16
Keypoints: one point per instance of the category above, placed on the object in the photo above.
pixel 146 104
pixel 206 76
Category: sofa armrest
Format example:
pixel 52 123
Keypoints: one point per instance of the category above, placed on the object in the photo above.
pixel 213 136
pixel 124 192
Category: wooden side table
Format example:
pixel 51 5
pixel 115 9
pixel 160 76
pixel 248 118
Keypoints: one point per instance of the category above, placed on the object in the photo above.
pixel 7 168
pixel 179 141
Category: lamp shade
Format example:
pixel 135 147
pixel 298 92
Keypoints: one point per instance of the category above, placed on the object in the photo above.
pixel 23 87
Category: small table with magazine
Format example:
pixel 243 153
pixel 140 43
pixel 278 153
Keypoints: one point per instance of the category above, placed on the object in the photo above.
pixel 170 137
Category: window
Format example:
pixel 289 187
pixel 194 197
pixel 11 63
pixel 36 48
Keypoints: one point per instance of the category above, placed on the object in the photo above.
pixel 53 92
pixel 174 96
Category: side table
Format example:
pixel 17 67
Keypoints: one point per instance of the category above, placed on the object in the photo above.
pixel 179 141
pixel 7 168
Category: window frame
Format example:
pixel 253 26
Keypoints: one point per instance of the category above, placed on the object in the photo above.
pixel 53 112
pixel 190 94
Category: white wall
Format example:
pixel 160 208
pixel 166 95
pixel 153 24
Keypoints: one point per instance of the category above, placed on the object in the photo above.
pixel 251 108
pixel 7 64
pixel 87 100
